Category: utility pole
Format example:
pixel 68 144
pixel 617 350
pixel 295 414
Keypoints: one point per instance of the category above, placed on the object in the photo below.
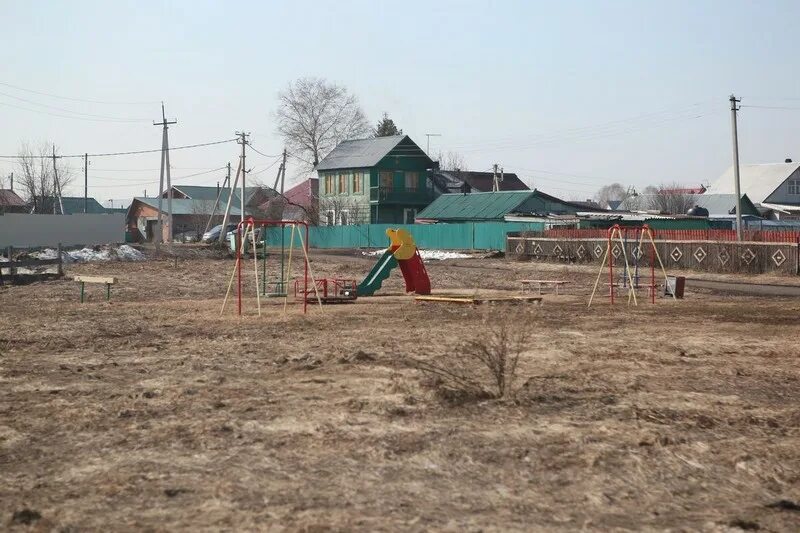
pixel 12 181
pixel 85 183
pixel 164 166
pixel 244 142
pixel 734 108
pixel 429 135
pixel 281 174
pixel 222 234
pixel 495 183
pixel 56 184
pixel 226 183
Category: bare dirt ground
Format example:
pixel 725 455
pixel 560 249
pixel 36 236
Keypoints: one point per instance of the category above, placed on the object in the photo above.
pixel 152 413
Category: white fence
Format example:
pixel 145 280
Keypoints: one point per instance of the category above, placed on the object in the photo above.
pixel 25 230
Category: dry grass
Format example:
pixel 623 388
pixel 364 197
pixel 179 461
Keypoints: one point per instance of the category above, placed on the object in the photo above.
pixel 482 367
pixel 152 413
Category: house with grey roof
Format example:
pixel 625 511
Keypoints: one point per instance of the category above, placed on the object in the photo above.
pixel 717 205
pixel 774 188
pixel 382 179
pixel 192 208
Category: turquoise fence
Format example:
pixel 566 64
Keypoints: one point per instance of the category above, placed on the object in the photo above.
pixel 461 236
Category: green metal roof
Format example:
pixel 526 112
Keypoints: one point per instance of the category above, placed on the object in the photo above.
pixel 74 205
pixel 475 206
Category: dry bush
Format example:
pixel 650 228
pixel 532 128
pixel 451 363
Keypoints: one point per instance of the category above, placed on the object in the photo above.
pixel 483 367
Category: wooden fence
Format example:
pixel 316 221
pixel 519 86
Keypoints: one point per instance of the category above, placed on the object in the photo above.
pixel 11 268
pixel 752 257
pixel 719 235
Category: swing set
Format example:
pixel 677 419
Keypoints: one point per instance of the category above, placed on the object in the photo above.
pixel 246 233
pixel 631 281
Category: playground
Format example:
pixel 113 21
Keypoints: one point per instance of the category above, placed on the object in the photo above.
pixel 155 410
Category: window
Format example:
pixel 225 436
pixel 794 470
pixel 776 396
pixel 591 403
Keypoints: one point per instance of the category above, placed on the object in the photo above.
pixel 344 214
pixel 794 186
pixel 330 218
pixel 412 181
pixel 328 189
pixel 387 179
pixel 358 179
pixel 342 184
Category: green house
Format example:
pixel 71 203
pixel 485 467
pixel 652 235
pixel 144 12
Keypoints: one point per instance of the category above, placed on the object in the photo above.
pixel 378 180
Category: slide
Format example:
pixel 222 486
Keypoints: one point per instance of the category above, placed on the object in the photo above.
pixel 379 272
pixel 415 275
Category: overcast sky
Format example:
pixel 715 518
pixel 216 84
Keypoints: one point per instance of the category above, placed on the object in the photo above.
pixel 570 95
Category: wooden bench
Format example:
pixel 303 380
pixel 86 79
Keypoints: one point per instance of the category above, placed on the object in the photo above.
pixel 526 284
pixel 83 280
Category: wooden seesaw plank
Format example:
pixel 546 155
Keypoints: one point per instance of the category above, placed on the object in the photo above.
pixel 477 300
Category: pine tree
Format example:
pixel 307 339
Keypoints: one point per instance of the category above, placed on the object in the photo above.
pixel 386 127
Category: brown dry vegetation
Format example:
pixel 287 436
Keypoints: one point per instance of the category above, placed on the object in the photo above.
pixel 150 412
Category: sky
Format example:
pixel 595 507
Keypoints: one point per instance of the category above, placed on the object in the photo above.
pixel 570 95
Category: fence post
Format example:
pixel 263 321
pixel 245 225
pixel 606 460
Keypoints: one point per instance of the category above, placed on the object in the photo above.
pixel 10 255
pixel 60 261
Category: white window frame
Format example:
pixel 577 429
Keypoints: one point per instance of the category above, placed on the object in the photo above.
pixel 407 177
pixel 794 186
pixel 330 217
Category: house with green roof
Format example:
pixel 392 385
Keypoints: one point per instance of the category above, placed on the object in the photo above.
pixel 376 180
pixel 494 206
pixel 192 208
pixel 72 205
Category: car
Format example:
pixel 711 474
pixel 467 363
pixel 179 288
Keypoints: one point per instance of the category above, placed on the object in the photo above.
pixel 212 235
pixel 186 236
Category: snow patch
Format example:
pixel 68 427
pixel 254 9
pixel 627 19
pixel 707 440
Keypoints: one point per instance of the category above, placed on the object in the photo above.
pixel 98 253
pixel 429 255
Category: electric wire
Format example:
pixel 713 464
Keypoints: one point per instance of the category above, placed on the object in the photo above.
pixel 75 99
pixel 110 154
pixel 61 109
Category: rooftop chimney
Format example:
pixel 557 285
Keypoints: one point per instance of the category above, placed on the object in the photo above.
pixel 788 160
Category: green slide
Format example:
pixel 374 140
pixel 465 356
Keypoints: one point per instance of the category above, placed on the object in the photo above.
pixel 379 272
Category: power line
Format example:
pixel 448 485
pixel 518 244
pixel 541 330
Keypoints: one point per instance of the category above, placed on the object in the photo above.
pixel 118 119
pixel 148 182
pixel 772 107
pixel 253 173
pixel 261 153
pixel 146 169
pixel 63 116
pixel 140 180
pixel 75 99
pixel 587 136
pixel 600 127
pixel 109 154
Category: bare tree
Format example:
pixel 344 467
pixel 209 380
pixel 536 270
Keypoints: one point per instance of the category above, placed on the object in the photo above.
pixel 672 199
pixel 315 115
pixel 38 180
pixel 609 193
pixel 342 211
pixel 199 219
pixel 451 161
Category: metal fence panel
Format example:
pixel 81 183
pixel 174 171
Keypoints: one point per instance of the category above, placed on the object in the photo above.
pixel 29 230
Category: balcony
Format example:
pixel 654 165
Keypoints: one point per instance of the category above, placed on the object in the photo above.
pixel 394 195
